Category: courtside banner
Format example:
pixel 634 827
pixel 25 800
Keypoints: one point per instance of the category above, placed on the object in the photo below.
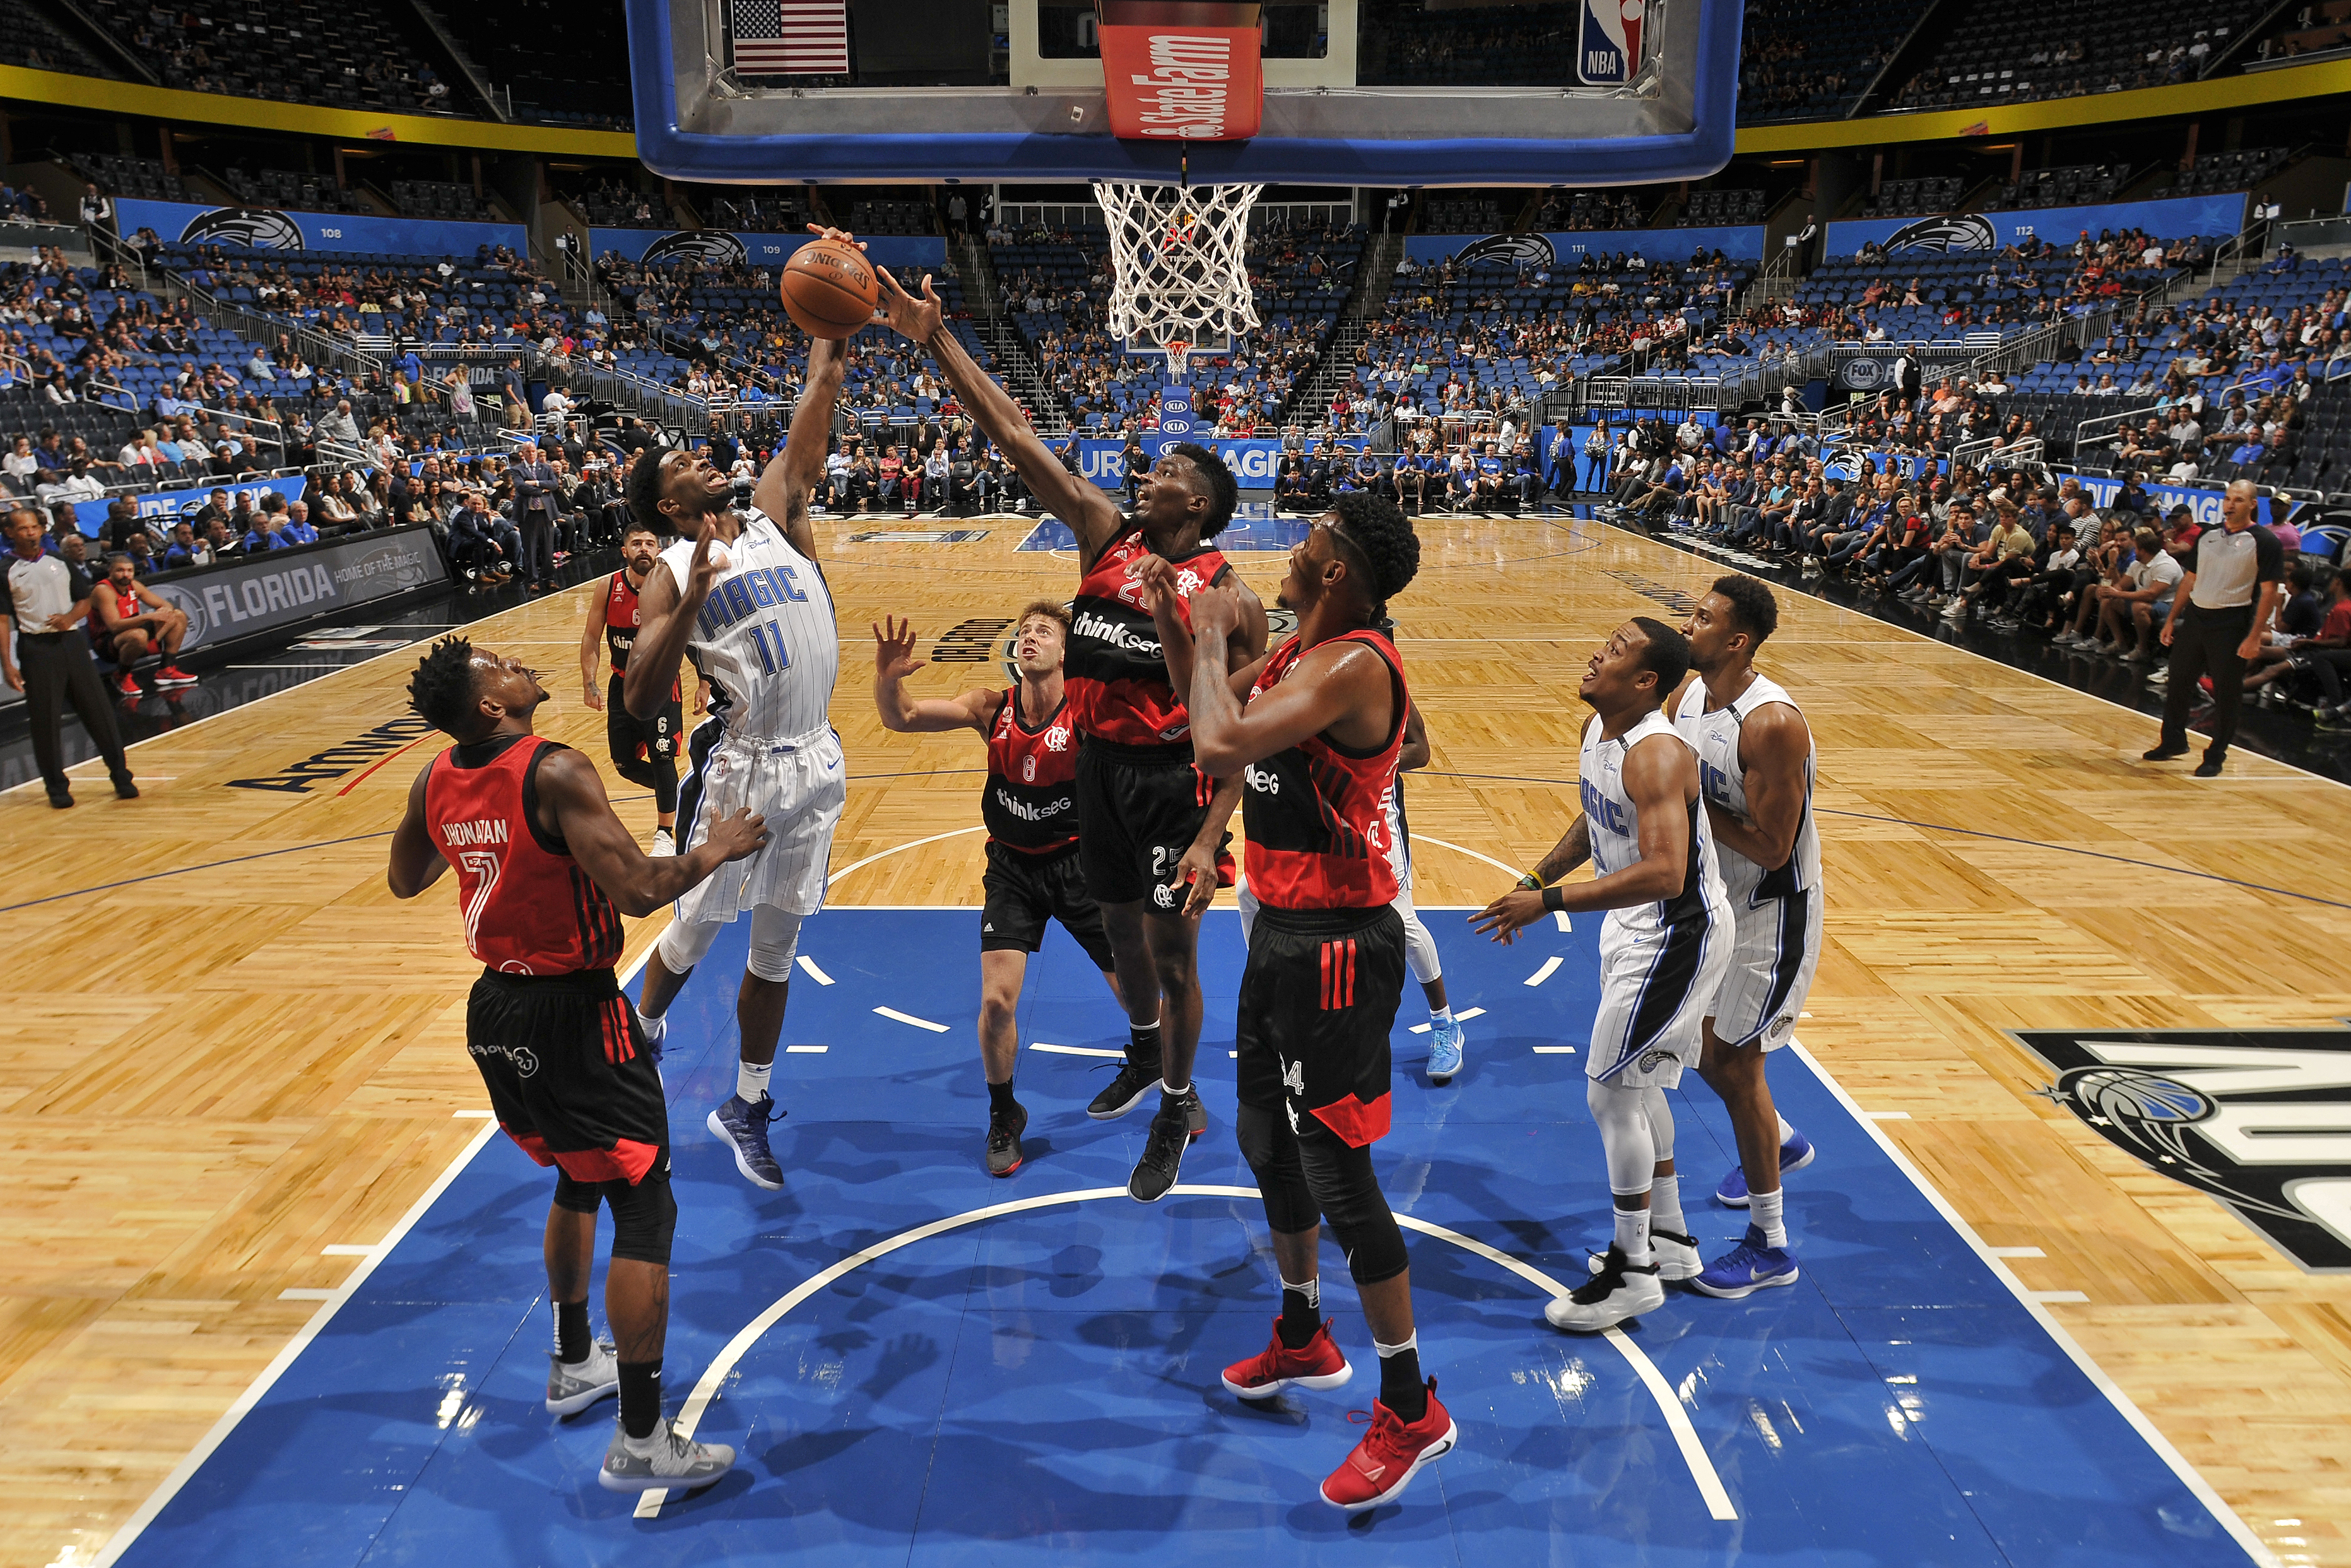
pixel 286 586
pixel 268 228
pixel 2173 218
pixel 90 516
pixel 728 246
pixel 1541 252
pixel 1169 80
pixel 1254 463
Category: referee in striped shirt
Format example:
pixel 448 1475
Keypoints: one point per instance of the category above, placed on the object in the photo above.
pixel 2221 615
pixel 47 601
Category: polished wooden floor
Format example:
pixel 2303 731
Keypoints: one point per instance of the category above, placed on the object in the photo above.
pixel 224 1048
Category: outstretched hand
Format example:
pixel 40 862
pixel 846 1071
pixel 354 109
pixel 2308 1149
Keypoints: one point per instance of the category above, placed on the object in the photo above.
pixel 843 235
pixel 893 650
pixel 1155 575
pixel 1505 917
pixel 908 316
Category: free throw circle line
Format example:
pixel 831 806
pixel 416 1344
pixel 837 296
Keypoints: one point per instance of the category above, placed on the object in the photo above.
pixel 1678 1421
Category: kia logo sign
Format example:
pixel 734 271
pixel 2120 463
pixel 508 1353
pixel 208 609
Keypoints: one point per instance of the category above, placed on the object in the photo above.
pixel 1174 426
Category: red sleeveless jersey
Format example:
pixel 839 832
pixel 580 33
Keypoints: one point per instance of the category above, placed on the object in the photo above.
pixel 1031 800
pixel 1117 681
pixel 621 621
pixel 528 907
pixel 1316 813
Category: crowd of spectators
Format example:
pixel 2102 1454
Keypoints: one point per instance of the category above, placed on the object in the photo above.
pixel 2011 50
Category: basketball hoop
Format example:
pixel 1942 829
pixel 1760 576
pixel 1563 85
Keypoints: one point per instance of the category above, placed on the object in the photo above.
pixel 1178 254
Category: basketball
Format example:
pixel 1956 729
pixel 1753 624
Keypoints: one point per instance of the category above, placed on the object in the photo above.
pixel 829 289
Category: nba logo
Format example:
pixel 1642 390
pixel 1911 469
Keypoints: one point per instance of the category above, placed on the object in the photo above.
pixel 1610 50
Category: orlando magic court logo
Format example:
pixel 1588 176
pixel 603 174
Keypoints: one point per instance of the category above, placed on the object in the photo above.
pixel 701 246
pixel 1514 250
pixel 1959 231
pixel 1609 51
pixel 256 228
pixel 2261 1119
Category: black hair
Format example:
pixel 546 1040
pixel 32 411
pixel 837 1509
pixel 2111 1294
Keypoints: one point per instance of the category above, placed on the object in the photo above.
pixel 1751 605
pixel 644 490
pixel 1666 653
pixel 1224 492
pixel 441 692
pixel 1383 536
pixel 639 526
pixel 2304 575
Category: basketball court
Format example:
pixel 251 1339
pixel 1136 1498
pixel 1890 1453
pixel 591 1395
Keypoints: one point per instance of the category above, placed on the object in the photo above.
pixel 276 1293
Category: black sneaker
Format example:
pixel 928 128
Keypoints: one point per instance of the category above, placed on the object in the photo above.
pixel 1004 1141
pixel 1126 1091
pixel 1163 1155
pixel 2163 754
pixel 1196 1115
pixel 2211 766
pixel 124 789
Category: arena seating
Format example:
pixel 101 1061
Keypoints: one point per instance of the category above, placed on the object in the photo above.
pixel 119 174
pixel 2011 50
pixel 2217 171
pixel 289 188
pixel 1459 214
pixel 2075 185
pixel 1513 46
pixel 1913 198
pixel 1724 206
pixel 30 39
pixel 361 54
pixel 1811 61
pixel 530 48
pixel 440 199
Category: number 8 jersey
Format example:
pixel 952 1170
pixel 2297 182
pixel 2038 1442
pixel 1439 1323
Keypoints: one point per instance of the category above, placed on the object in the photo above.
pixel 765 638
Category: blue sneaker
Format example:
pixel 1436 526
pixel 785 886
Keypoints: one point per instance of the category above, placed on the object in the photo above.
pixel 1445 1044
pixel 1795 1155
pixel 1745 1269
pixel 742 1125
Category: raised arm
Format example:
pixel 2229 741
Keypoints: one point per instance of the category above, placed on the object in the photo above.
pixel 1091 516
pixel 794 473
pixel 571 793
pixel 664 622
pixel 903 714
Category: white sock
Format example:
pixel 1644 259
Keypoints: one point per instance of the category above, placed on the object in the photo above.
pixel 1387 1351
pixel 1764 1211
pixel 750 1082
pixel 1665 1205
pixel 1632 1235
pixel 1312 1291
pixel 1440 1017
pixel 1168 1088
pixel 652 1025
pixel 1786 1131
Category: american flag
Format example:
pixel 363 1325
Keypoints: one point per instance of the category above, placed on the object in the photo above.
pixel 791 37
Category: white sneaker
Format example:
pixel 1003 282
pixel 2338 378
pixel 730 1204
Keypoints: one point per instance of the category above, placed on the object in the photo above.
pixel 675 1462
pixel 1620 1291
pixel 572 1387
pixel 664 845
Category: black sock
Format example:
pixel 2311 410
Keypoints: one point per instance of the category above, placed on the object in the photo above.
pixel 641 1397
pixel 1401 1389
pixel 572 1339
pixel 1302 1314
pixel 999 1099
pixel 1143 1047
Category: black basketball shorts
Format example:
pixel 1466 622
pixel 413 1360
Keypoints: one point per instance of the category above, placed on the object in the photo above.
pixel 1317 1001
pixel 568 1073
pixel 1025 890
pixel 1138 811
pixel 625 733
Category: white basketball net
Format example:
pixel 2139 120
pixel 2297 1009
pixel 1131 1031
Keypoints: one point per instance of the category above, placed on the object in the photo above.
pixel 1181 269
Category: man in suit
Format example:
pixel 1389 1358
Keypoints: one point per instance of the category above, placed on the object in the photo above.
pixel 534 511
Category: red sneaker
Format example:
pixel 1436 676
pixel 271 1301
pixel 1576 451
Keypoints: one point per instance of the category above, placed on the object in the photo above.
pixel 129 686
pixel 173 675
pixel 1318 1364
pixel 1390 1455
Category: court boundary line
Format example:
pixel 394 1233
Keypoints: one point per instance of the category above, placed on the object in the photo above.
pixel 2187 1474
pixel 722 1365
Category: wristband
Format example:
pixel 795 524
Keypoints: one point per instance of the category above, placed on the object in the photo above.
pixel 1529 882
pixel 1555 899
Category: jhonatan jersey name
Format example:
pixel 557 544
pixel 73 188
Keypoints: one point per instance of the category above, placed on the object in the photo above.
pixel 528 908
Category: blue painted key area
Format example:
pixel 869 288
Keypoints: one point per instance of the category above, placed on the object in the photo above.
pixel 1042 1388
pixel 1254 528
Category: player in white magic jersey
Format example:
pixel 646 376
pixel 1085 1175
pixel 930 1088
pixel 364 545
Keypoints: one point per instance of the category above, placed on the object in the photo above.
pixel 742 593
pixel 1663 946
pixel 1420 955
pixel 1756 764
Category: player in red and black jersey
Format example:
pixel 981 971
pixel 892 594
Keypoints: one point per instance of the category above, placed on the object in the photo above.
pixel 545 870
pixel 645 751
pixel 1316 730
pixel 1030 807
pixel 1151 823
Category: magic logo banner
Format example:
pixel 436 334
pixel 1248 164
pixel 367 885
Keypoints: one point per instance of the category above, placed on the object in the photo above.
pixel 724 247
pixel 271 228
